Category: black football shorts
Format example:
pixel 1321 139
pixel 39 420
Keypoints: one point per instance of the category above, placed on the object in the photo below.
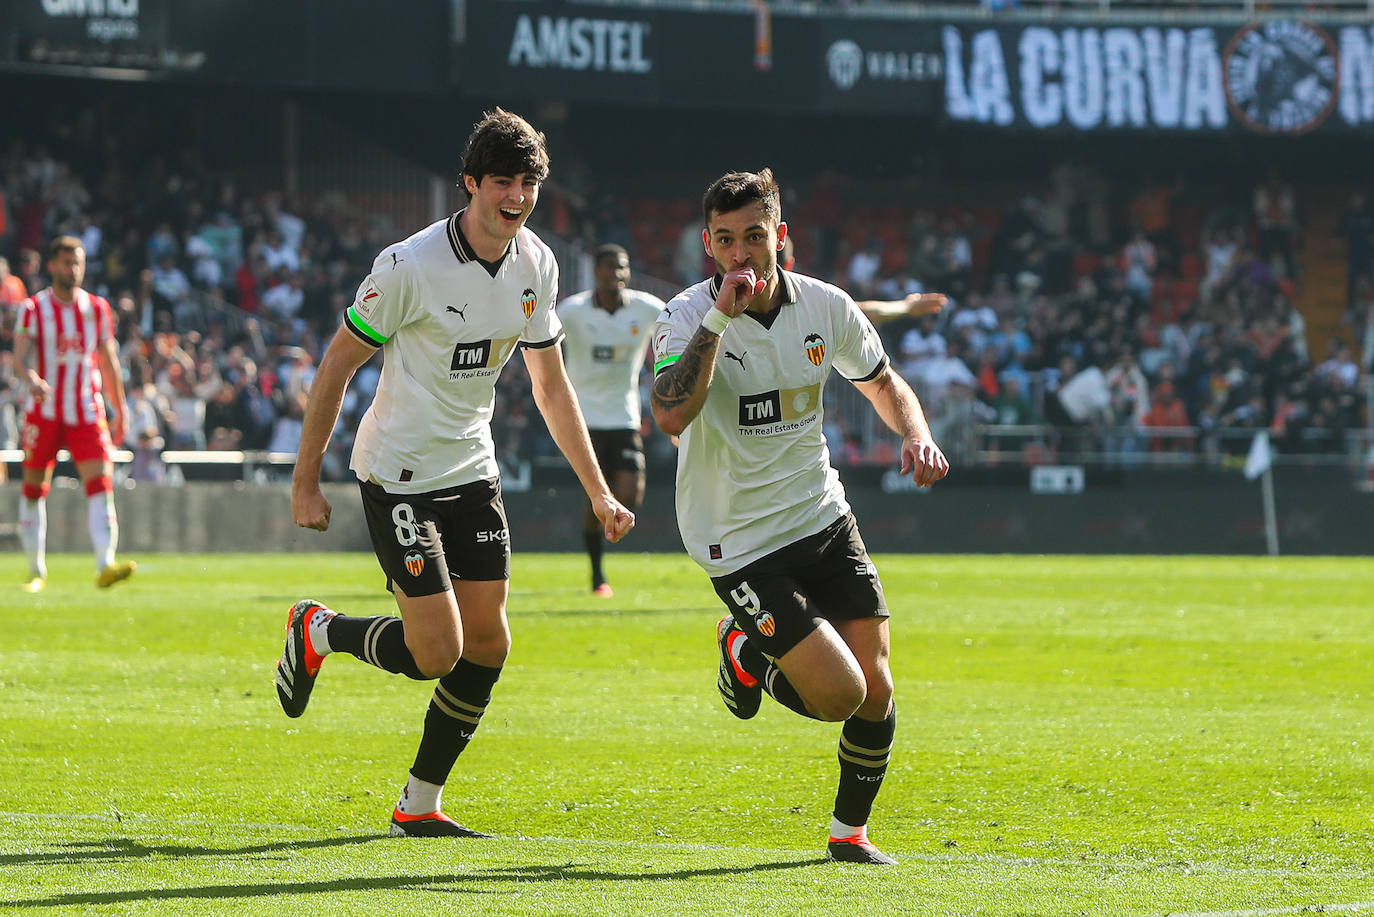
pixel 423 540
pixel 779 599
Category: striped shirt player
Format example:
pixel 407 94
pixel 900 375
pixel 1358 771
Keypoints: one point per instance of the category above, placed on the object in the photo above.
pixel 68 336
pixel 447 308
pixel 608 328
pixel 740 363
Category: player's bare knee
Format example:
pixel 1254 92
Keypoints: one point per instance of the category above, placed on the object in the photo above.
pixel 434 658
pixel 838 703
pixel 877 704
pixel 489 650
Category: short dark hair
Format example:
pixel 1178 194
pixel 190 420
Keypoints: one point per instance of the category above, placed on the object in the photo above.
pixel 609 250
pixel 503 143
pixel 64 244
pixel 734 190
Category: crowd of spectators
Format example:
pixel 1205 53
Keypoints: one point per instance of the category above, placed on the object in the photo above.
pixel 1126 325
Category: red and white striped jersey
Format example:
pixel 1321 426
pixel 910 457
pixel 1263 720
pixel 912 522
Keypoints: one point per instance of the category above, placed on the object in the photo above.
pixel 66 337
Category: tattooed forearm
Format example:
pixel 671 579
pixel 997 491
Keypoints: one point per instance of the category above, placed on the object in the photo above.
pixel 681 388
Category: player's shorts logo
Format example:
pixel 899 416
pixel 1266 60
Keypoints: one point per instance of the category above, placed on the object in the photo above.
pixel 415 563
pixel 528 301
pixel 815 348
pixel 766 625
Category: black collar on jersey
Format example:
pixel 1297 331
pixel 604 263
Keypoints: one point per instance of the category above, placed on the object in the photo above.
pixel 463 251
pixel 596 301
pixel 788 298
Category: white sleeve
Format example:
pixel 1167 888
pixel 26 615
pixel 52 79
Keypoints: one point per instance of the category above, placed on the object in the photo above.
pixel 544 329
pixel 672 333
pixel 384 301
pixel 859 353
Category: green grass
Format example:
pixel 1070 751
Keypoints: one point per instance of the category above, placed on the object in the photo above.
pixel 1096 736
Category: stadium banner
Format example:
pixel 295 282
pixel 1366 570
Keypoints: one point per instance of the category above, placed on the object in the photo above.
pixel 1276 77
pixel 123 34
pixel 636 55
pixel 872 65
pixel 719 58
pixel 326 44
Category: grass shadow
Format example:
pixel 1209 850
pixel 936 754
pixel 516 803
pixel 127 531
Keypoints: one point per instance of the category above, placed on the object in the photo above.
pixel 123 849
pixel 549 873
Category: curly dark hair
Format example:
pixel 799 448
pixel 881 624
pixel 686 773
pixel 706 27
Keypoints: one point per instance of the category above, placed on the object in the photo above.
pixel 503 143
pixel 734 190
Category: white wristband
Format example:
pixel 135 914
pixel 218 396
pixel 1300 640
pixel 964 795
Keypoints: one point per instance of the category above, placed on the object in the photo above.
pixel 715 321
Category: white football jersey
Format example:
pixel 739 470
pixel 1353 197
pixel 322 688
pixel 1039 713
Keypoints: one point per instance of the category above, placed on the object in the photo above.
pixel 605 353
pixel 446 322
pixel 753 470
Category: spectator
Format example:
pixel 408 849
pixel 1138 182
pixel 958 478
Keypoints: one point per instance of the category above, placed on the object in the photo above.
pixel 147 466
pixel 12 296
pixel 1357 225
pixel 1138 263
pixel 1129 394
pixel 285 299
pixel 286 430
pixel 171 287
pixel 1276 216
pixel 1167 411
pixel 863 270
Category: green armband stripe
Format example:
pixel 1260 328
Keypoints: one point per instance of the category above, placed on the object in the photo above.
pixel 358 324
pixel 665 363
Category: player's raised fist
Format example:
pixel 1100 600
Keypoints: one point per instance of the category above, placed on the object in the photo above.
pixel 617 519
pixel 924 461
pixel 310 508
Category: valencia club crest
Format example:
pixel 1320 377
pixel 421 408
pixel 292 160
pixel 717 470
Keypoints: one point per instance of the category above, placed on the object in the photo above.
pixel 815 348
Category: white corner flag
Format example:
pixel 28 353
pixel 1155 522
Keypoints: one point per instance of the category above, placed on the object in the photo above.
pixel 1260 464
pixel 1260 457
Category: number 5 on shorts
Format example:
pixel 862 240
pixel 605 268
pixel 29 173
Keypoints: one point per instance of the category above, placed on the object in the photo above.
pixel 745 598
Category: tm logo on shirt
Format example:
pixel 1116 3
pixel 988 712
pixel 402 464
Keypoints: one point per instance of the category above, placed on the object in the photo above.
pixel 780 406
pixel 479 358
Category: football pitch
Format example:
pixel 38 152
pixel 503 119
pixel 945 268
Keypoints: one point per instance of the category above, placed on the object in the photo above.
pixel 1076 736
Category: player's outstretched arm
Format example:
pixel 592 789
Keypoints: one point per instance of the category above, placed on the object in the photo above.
pixel 556 400
pixel 914 305
pixel 309 507
pixel 900 409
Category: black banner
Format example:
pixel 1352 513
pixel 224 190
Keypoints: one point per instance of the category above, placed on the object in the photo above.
pixel 1281 77
pixel 737 59
pixel 333 44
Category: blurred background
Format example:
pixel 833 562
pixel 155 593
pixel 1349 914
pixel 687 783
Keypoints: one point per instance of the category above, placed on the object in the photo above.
pixel 1152 220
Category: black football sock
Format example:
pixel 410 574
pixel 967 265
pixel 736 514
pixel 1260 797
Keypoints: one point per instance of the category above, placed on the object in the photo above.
pixel 596 546
pixel 460 698
pixel 376 641
pixel 865 747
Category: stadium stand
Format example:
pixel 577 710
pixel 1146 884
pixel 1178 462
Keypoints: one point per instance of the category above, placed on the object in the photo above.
pixel 1082 294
